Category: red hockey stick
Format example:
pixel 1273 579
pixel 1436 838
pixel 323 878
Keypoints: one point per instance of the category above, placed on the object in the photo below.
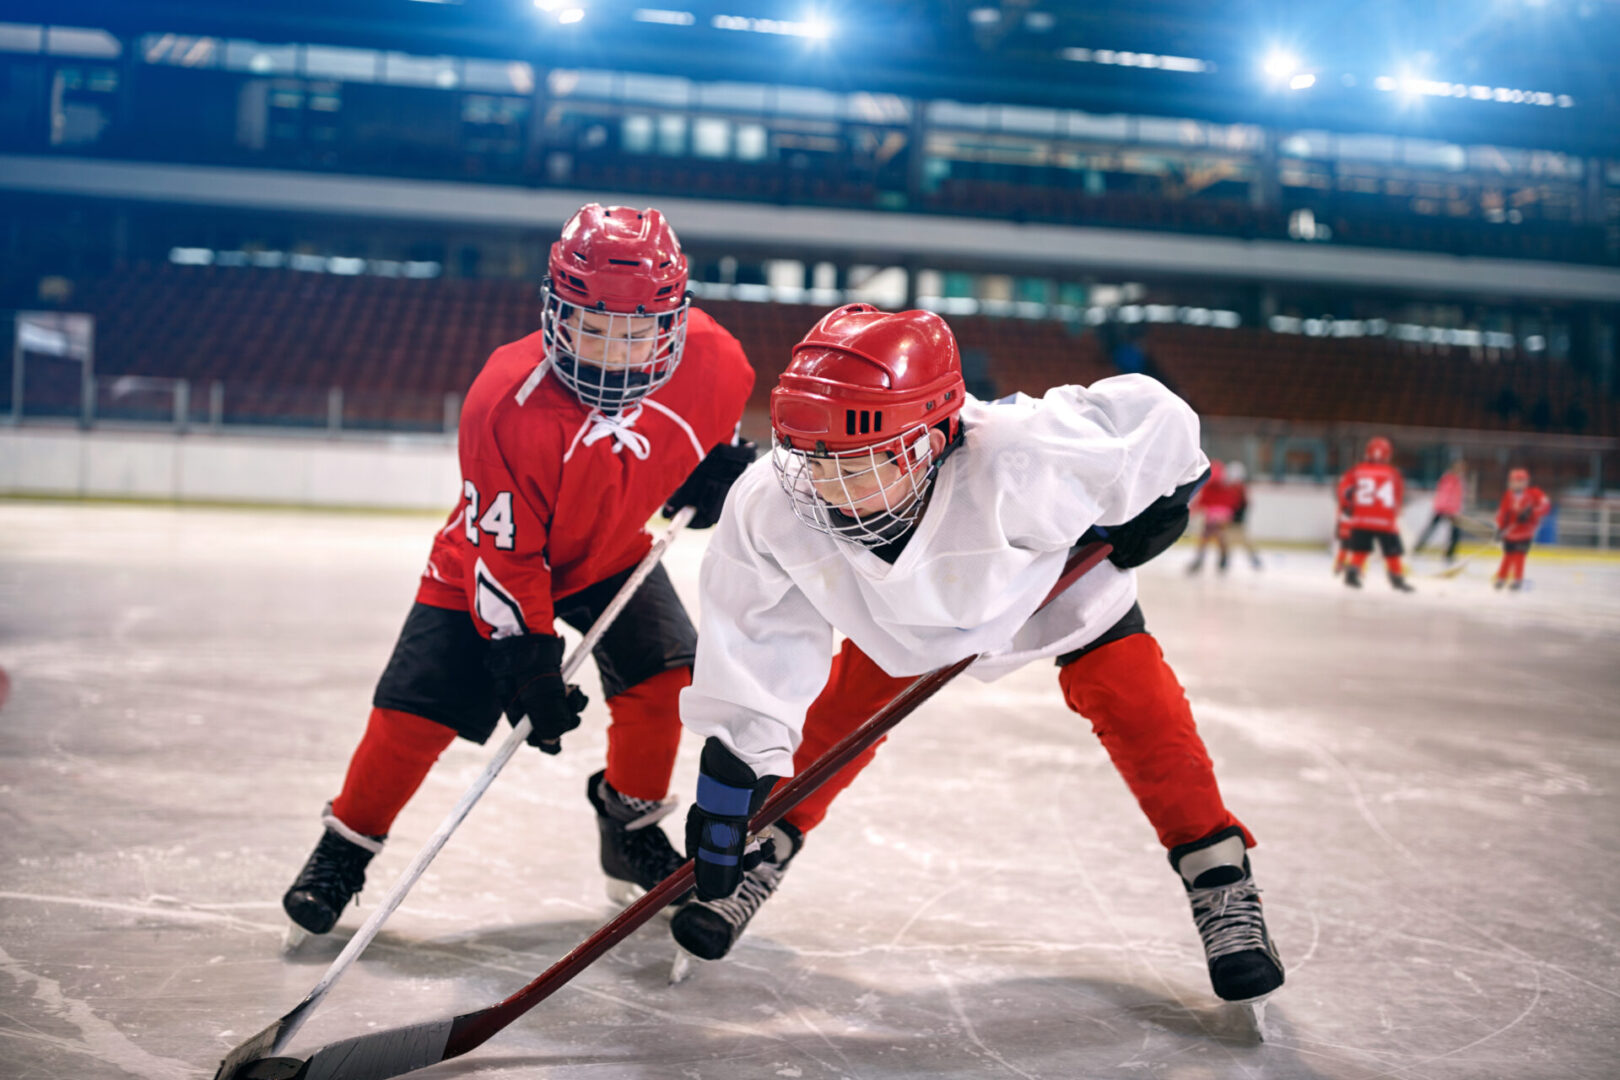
pixel 383 1054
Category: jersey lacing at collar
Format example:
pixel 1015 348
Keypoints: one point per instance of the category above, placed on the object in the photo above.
pixel 621 426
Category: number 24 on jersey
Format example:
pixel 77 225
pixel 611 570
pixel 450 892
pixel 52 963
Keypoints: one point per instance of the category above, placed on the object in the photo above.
pixel 497 520
pixel 1368 492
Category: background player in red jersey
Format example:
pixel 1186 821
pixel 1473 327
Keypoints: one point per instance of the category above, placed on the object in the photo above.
pixel 1218 502
pixel 1237 476
pixel 1370 498
pixel 1517 518
pixel 626 400
pixel 1224 501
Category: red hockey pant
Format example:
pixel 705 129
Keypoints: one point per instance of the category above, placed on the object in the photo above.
pixel 1125 688
pixel 399 748
pixel 1512 568
pixel 1392 563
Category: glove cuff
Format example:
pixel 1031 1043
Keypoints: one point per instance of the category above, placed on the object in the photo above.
pixel 727 786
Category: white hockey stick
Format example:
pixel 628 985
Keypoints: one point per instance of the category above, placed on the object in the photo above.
pixel 274 1037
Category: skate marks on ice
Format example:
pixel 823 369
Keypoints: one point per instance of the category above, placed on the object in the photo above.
pixel 67 1029
pixel 1422 933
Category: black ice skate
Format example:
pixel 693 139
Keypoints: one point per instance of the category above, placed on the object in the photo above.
pixel 1352 577
pixel 1399 583
pixel 1243 962
pixel 636 853
pixel 334 874
pixel 709 928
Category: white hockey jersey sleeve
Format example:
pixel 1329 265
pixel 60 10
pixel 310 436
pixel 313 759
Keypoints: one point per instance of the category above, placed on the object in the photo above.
pixel 763 650
pixel 1051 467
pixel 1157 434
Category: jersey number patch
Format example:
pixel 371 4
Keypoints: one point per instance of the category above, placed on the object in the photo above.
pixel 497 520
pixel 1370 491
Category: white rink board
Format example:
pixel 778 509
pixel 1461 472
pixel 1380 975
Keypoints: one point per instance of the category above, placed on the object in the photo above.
pixel 404 472
pixel 1432 779
pixel 383 472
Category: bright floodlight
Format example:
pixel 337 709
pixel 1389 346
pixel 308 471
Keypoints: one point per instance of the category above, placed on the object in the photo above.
pixel 816 28
pixel 570 15
pixel 1280 65
pixel 1302 82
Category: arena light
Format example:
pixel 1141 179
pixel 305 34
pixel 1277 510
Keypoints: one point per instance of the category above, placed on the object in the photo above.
pixel 1123 58
pixel 812 27
pixel 570 15
pixel 1280 65
pixel 1411 88
pixel 1302 81
pixel 664 17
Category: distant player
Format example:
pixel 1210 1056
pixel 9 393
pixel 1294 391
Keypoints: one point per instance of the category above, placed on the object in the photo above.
pixel 1341 537
pixel 927 526
pixel 1219 502
pixel 1370 499
pixel 1448 506
pixel 1237 476
pixel 1517 519
pixel 626 399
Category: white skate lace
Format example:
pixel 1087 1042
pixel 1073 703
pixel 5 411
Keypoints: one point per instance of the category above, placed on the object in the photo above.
pixel 1229 918
pixel 645 811
pixel 757 886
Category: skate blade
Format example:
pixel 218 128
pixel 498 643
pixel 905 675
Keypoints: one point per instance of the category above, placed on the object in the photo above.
pixel 294 938
pixel 681 969
pixel 621 894
pixel 1253 1015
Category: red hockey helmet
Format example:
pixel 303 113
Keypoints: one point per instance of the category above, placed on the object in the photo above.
pixel 1379 450
pixel 1519 478
pixel 852 415
pixel 615 304
pixel 1217 472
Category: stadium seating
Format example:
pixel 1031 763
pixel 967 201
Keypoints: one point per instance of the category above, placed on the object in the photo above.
pixel 280 339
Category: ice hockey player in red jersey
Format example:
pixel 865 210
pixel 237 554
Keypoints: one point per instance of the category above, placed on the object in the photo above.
pixel 927 526
pixel 1219 501
pixel 1370 499
pixel 626 400
pixel 1517 518
pixel 1237 477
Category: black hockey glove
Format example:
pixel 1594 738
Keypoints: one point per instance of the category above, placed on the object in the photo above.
pixel 1524 516
pixel 1149 533
pixel 527 674
pixel 706 487
pixel 717 840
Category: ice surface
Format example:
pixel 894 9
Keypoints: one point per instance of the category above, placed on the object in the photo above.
pixel 1432 778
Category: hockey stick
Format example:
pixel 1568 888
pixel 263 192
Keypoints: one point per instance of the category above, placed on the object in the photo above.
pixel 383 1054
pixel 274 1037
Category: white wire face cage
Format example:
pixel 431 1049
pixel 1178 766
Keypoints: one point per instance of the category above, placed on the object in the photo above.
pixel 621 359
pixel 825 499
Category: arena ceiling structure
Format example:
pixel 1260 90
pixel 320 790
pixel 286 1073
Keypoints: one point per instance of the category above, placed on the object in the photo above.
pixel 1510 72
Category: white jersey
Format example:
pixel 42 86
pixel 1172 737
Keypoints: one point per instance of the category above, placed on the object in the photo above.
pixel 1006 507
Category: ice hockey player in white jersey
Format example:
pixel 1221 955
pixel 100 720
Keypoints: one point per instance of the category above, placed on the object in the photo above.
pixel 927 526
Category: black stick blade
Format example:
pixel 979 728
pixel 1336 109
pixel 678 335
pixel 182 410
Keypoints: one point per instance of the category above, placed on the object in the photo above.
pixel 377 1055
pixel 233 1067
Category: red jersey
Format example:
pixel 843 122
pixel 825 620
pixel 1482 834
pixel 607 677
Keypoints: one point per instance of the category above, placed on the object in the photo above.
pixel 556 496
pixel 1222 497
pixel 1519 515
pixel 1370 497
